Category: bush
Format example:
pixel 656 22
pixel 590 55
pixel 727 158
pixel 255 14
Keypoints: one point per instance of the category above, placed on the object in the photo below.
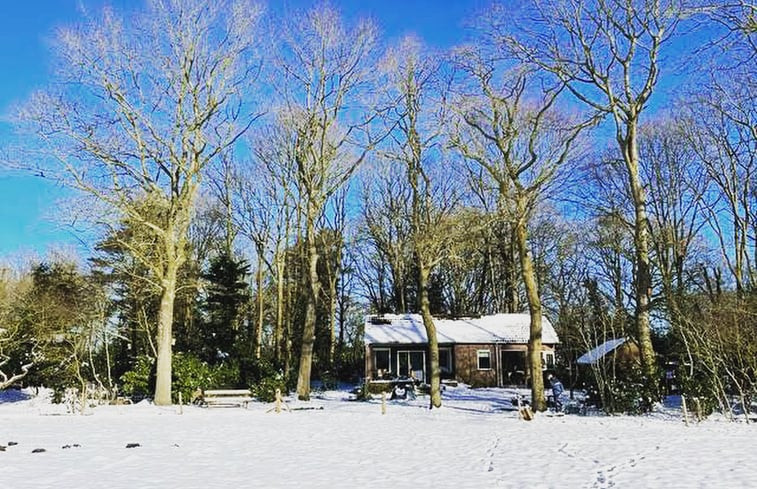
pixel 698 387
pixel 265 389
pixel 329 381
pixel 188 374
pixel 139 381
pixel 624 392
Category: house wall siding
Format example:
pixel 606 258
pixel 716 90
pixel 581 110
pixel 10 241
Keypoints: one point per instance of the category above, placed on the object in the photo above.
pixel 466 366
pixel 464 361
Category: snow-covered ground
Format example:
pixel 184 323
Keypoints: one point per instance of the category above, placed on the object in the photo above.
pixel 474 441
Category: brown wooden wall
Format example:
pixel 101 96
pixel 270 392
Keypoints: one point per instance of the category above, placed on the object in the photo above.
pixel 466 365
pixel 464 361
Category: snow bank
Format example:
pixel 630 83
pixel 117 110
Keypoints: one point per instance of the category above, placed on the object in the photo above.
pixel 474 441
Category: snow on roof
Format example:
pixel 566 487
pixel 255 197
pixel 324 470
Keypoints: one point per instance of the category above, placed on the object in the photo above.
pixel 499 328
pixel 597 353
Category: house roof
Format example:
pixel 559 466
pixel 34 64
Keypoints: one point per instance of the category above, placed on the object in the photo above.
pixel 499 328
pixel 593 356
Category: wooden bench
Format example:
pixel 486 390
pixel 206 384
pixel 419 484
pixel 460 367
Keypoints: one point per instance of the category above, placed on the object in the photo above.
pixel 226 398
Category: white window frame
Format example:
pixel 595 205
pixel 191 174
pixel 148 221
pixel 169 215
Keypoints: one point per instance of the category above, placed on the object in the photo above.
pixel 481 354
pixel 389 360
pixel 408 352
pixel 545 363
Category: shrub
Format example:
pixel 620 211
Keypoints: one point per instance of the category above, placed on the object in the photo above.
pixel 139 381
pixel 190 373
pixel 329 381
pixel 700 391
pixel 265 389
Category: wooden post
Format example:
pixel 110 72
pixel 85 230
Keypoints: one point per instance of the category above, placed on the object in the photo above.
pixel 685 411
pixel 279 403
pixel 699 409
pixel 181 404
pixel 383 402
pixel 524 412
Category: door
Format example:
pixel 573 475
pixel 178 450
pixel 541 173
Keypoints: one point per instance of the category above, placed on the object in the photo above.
pixel 412 363
pixel 513 367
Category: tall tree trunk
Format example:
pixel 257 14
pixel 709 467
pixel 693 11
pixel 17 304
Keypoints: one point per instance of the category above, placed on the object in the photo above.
pixel 643 292
pixel 287 347
pixel 279 333
pixel 433 343
pixel 512 278
pixel 342 317
pixel 333 280
pixel 259 323
pixel 308 332
pixel 534 309
pixel 165 332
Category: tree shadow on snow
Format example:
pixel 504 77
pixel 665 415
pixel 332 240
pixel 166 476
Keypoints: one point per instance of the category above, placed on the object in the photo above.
pixel 495 408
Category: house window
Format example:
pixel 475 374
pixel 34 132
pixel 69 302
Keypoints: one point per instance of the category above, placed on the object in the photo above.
pixel 412 364
pixel 548 360
pixel 484 359
pixel 381 361
pixel 445 360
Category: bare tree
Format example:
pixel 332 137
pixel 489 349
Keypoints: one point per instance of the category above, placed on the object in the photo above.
pixel 738 20
pixel 521 141
pixel 264 211
pixel 139 109
pixel 386 202
pixel 334 243
pixel 676 187
pixel 607 52
pixel 415 115
pixel 324 71
pixel 721 129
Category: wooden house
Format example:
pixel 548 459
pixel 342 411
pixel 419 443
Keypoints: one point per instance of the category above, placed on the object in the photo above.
pixel 479 351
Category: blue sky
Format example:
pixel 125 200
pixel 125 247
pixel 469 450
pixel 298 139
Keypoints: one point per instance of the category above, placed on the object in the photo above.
pixel 28 205
pixel 29 216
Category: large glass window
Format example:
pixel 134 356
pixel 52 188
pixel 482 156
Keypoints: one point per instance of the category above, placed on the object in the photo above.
pixel 549 360
pixel 381 360
pixel 445 360
pixel 412 364
pixel 484 359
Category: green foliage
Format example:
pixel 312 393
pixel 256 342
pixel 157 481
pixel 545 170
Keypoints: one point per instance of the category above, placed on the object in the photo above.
pixel 264 378
pixel 622 392
pixel 329 381
pixel 61 316
pixel 139 381
pixel 189 373
pixel 265 389
pixel 699 387
pixel 227 296
pixel 627 394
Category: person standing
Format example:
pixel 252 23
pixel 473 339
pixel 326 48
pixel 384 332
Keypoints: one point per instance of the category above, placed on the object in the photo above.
pixel 557 391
